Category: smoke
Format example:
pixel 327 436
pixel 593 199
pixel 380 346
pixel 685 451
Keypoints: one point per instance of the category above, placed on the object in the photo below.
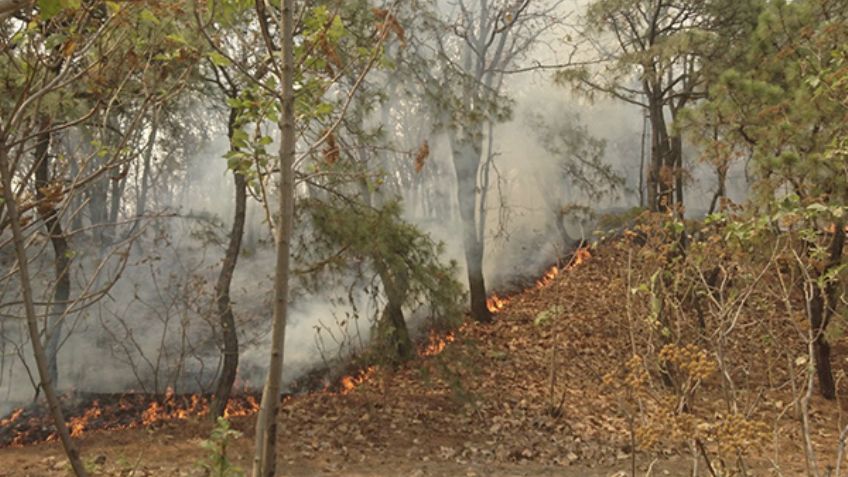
pixel 157 328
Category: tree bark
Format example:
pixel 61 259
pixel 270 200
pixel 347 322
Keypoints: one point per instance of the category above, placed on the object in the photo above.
pixel 265 461
pixel 466 162
pixel 822 307
pixel 32 320
pixel 392 329
pixel 229 335
pixel 61 253
pixel 677 168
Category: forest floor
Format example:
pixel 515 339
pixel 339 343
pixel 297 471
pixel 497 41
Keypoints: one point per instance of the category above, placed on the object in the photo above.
pixel 523 396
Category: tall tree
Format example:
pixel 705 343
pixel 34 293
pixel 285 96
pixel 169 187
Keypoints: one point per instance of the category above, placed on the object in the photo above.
pixel 654 54
pixel 472 45
pixel 265 457
pixel 784 105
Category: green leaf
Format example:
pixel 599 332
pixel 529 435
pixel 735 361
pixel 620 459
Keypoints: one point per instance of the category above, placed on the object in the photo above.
pixel 218 59
pixel 177 38
pixel 148 17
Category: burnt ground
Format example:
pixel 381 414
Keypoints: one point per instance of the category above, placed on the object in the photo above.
pixel 523 396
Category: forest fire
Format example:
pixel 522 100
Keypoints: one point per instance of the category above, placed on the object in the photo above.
pixel 548 277
pixel 350 382
pixel 112 412
pixel 581 256
pixel 496 303
pixel 437 343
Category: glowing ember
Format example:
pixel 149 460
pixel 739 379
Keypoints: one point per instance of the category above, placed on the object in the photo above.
pixel 436 344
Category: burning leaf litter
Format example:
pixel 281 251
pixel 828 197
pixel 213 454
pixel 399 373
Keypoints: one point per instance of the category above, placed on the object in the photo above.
pixel 112 412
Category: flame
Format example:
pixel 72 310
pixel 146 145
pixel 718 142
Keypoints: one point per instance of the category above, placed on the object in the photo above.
pixel 436 343
pixel 581 256
pixel 78 424
pixel 495 303
pixel 247 407
pixel 548 277
pixel 27 426
pixel 349 383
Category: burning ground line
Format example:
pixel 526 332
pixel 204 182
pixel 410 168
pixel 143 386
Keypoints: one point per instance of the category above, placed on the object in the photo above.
pixel 496 303
pixel 32 425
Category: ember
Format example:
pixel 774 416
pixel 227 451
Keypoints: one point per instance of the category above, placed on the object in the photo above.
pixel 110 412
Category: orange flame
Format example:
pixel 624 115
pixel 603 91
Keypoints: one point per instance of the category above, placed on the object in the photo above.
pixel 349 383
pixel 581 256
pixel 436 343
pixel 247 407
pixel 548 277
pixel 496 304
pixel 79 424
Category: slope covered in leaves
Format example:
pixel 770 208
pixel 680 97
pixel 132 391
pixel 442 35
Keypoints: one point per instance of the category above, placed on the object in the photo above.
pixel 534 393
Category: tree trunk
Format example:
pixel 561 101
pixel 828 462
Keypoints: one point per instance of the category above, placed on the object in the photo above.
pixel 32 320
pixel 721 189
pixel 141 204
pixel 660 178
pixel 265 459
pixel 230 344
pixel 822 307
pixel 466 162
pixel 61 255
pixel 677 169
pixel 392 329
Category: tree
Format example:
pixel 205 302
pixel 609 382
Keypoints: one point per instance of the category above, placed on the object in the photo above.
pixel 655 54
pixel 55 82
pixel 784 105
pixel 469 48
pixel 265 457
pixel 349 231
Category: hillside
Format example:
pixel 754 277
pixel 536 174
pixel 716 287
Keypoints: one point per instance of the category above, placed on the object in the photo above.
pixel 531 394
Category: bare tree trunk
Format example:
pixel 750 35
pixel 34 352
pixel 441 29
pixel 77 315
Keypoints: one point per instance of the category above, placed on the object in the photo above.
pixel 642 171
pixel 466 161
pixel 141 204
pixel 265 459
pixel 721 189
pixel 31 318
pixel 230 343
pixel 677 168
pixel 822 307
pixel 61 257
